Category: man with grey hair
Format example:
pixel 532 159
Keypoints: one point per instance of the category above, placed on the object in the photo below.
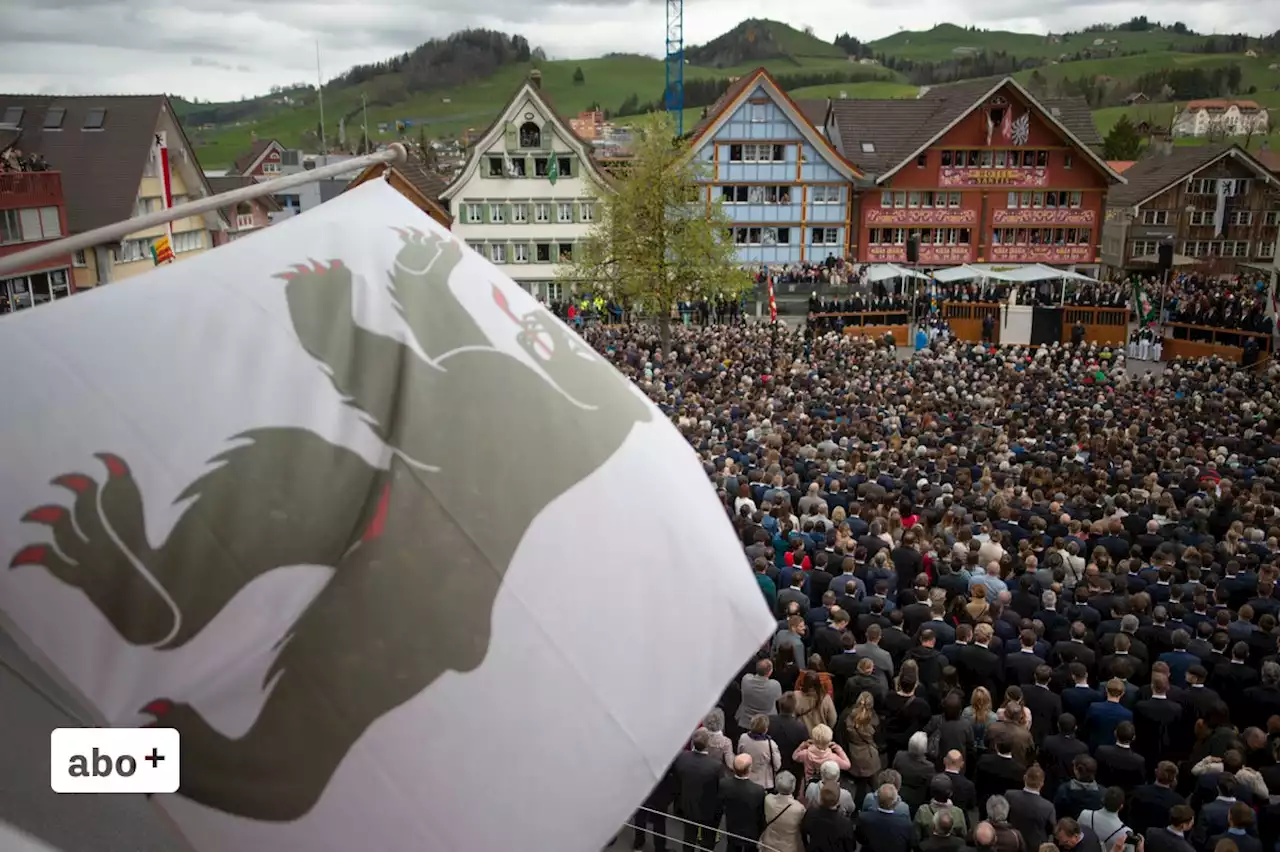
pixel 782 816
pixel 829 773
pixel 1007 838
pixel 1263 701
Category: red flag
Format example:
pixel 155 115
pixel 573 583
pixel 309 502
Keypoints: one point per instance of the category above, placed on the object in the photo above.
pixel 773 303
pixel 1006 126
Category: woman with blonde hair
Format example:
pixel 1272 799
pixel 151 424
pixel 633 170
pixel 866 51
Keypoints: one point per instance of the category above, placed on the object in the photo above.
pixel 979 714
pixel 814 706
pixel 817 750
pixel 978 606
pixel 860 733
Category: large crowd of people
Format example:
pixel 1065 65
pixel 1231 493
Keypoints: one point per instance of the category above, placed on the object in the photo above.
pixel 1026 600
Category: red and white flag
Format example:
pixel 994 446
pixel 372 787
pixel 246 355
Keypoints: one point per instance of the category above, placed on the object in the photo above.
pixel 1006 126
pixel 773 303
pixel 297 520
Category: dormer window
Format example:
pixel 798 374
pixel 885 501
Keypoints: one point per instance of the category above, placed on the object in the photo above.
pixel 12 116
pixel 530 135
pixel 94 119
pixel 53 118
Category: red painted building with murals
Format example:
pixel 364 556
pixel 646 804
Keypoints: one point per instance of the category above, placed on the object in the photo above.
pixel 979 173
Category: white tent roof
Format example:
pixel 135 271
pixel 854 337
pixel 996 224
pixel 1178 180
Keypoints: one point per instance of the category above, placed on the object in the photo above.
pixel 958 273
pixel 1002 272
pixel 885 271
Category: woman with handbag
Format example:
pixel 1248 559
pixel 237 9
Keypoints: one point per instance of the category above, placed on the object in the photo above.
pixel 766 758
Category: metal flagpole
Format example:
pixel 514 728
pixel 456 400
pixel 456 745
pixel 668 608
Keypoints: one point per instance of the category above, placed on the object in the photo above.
pixel 394 154
pixel 324 145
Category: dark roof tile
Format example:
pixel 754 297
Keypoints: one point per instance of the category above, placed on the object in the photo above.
pixel 246 160
pixel 815 110
pixel 1158 170
pixel 228 183
pixel 101 169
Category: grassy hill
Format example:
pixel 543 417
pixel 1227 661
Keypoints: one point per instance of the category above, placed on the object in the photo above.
pixel 946 41
pixel 629 84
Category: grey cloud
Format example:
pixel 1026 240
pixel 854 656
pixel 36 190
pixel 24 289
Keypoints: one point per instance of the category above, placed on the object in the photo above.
pixel 202 62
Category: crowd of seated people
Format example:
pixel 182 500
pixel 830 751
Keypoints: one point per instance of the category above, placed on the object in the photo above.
pixel 1026 601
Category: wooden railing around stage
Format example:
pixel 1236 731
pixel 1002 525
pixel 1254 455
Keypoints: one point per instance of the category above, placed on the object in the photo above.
pixel 965 319
pixel 873 324
pixel 1101 325
pixel 1184 340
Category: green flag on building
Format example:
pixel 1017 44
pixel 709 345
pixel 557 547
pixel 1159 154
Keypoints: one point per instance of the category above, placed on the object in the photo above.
pixel 553 170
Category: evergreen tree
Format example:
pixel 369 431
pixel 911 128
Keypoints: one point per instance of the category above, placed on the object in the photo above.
pixel 578 77
pixel 1123 142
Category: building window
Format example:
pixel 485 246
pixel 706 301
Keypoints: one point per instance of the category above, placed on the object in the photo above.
pixel 1272 218
pixel 271 168
pixel 149 204
pixel 496 168
pixel 10 227
pixel 530 135
pixel 565 255
pixel 542 252
pixel 1144 248
pixel 759 113
pixel 922 160
pixel 78 260
pixel 1012 203
pixel 1266 249
pixel 475 214
pixel 1001 162
pixel 1077 198
pixel 587 209
pixel 954 200
pixel 520 213
pixel 188 241
pixel 886 199
pixel 520 253
pixel 900 200
pixel 1202 186
pixel 53 118
pixel 1240 217
pixel 733 194
pixel 564 212
pixel 988 159
pixel 1066 160
pixel 1037 199
pixel 498 253
pixel 495 214
pixel 825 237
pixel 868 147
pixel 1155 217
pixel 542 212
pixel 565 166
pixel 555 290
pixel 826 195
pixel 131 251
pixel 94 119
pixel 946 158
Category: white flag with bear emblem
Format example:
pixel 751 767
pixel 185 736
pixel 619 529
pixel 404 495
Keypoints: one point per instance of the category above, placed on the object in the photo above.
pixel 397 554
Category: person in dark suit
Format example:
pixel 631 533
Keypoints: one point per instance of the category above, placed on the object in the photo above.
pixel 825 828
pixel 1232 678
pixel 1058 753
pixel 742 803
pixel 827 639
pixel 1077 698
pixel 1199 698
pixel 978 665
pixel 1174 835
pixel 1074 649
pixel 1029 811
pixel 1179 660
pixel 943 837
pixel 1157 721
pixel 1044 704
pixel 883 829
pixel 1240 830
pixel 1102 716
pixel 1261 702
pixel 1213 817
pixel 964 795
pixel 1149 804
pixel 788 731
pixel 997 771
pixel 1119 765
pixel 1020 668
pixel 698 777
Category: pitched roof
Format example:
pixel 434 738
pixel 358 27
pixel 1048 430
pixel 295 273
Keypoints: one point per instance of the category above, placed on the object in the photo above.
pixel 1120 166
pixel 1270 159
pixel 724 107
pixel 881 135
pixel 227 183
pixel 730 95
pixel 532 87
pixel 423 179
pixel 101 169
pixel 1158 171
pixel 815 111
pixel 246 161
pixel 1220 103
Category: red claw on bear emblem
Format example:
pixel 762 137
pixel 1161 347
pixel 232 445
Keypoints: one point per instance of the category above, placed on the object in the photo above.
pixel 159 708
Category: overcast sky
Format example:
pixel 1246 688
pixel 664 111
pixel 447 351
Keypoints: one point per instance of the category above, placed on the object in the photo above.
pixel 232 48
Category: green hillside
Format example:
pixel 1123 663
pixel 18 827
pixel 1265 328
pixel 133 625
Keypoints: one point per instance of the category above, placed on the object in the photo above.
pixel 756 40
pixel 946 41
pixel 878 90
pixel 607 83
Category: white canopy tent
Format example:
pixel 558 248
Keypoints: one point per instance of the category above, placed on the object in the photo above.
pixel 886 271
pixel 1016 274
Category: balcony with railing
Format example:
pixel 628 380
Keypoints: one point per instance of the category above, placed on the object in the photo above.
pixel 30 189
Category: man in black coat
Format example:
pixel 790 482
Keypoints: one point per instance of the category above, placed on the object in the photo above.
pixel 1240 830
pixel 997 771
pixel 1059 751
pixel 1119 765
pixel 978 665
pixel 742 802
pixel 884 830
pixel 1074 649
pixel 1158 722
pixel 1232 678
pixel 1174 835
pixel 1020 668
pixel 1044 704
pixel 788 732
pixel 1071 836
pixel 698 775
pixel 824 827
pixel 964 795
pixel 1149 805
pixel 1029 811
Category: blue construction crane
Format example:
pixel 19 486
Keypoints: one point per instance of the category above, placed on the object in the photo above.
pixel 673 95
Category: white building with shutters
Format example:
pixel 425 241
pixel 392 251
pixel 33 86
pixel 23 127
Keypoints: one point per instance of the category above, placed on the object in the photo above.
pixel 528 194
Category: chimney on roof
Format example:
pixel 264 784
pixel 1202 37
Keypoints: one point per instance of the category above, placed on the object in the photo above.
pixel 535 77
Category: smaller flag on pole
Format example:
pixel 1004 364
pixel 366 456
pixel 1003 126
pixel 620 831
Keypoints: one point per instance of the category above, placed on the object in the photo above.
pixel 773 303
pixel 1142 306
pixel 553 170
pixel 161 251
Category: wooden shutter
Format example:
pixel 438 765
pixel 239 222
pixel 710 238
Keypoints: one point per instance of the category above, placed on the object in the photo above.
pixel 512 136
